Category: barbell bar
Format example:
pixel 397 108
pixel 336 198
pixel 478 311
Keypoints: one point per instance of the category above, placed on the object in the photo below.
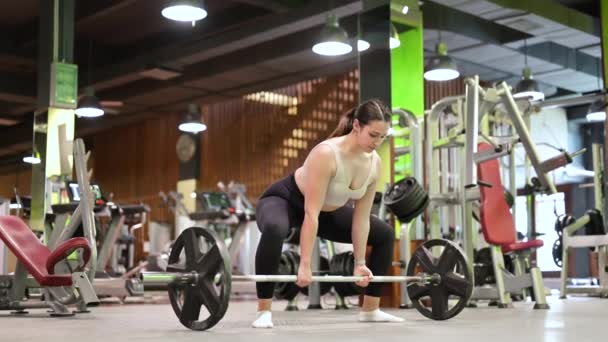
pixel 160 279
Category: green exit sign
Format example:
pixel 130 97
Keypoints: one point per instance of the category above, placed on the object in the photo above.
pixel 64 85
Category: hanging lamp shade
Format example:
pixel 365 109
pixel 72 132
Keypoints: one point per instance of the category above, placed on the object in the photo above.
pixel 88 105
pixel 394 41
pixel 597 111
pixel 362 45
pixel 333 40
pixel 193 122
pixel 441 67
pixel 528 87
pixel 33 159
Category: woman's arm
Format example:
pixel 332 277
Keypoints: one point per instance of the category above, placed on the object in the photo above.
pixel 318 169
pixel 361 216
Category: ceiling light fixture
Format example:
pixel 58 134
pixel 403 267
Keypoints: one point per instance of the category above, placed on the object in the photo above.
pixel 88 105
pixel 597 110
pixel 33 159
pixel 334 40
pixel 441 67
pixel 527 86
pixel 185 10
pixel 193 122
pixel 394 41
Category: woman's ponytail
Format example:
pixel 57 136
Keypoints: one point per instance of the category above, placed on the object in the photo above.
pixel 345 125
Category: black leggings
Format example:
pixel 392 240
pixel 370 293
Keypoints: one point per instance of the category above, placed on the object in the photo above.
pixel 281 207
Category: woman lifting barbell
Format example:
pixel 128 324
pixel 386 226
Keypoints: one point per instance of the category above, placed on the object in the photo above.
pixel 342 168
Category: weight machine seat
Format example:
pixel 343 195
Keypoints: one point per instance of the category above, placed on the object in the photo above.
pixel 520 246
pixel 495 217
pixel 36 257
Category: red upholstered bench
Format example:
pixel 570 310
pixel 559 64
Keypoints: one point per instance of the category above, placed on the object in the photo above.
pixel 37 259
pixel 495 217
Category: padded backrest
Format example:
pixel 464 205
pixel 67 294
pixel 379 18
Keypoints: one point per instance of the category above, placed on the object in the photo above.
pixel 495 217
pixel 25 245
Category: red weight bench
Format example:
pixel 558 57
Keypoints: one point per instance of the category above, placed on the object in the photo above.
pixel 499 231
pixel 37 259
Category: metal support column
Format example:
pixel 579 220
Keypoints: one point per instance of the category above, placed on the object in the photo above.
pixel 57 96
pixel 469 167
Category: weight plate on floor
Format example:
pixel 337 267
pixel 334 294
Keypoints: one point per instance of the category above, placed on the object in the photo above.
pixel 288 265
pixel 324 287
pixel 343 264
pixel 450 295
pixel 198 250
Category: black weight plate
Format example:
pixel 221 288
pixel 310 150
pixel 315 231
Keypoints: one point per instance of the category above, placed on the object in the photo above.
pixel 596 223
pixel 402 188
pixel 403 196
pixel 198 250
pixel 455 285
pixel 414 213
pixel 324 287
pixel 557 252
pixel 562 222
pixel 343 264
pixel 412 197
pixel 406 199
pixel 287 266
pixel 292 288
pixel 348 264
pixel 334 269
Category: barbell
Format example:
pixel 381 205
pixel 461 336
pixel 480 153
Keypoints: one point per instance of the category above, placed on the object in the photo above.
pixel 199 275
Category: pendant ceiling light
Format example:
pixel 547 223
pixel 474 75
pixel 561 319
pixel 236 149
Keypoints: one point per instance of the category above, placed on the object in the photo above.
pixel 441 67
pixel 88 105
pixel 185 10
pixel 597 110
pixel 394 41
pixel 334 40
pixel 193 122
pixel 528 87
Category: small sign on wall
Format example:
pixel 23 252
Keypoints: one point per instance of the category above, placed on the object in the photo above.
pixel 64 85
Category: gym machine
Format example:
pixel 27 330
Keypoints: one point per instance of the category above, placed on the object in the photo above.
pixel 4 211
pixel 461 135
pixel 60 280
pixel 115 264
pixel 411 130
pixel 595 237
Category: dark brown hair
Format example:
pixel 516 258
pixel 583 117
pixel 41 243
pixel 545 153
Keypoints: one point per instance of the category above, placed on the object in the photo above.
pixel 370 110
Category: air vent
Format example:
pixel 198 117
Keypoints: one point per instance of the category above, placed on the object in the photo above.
pixel 160 73
pixel 523 24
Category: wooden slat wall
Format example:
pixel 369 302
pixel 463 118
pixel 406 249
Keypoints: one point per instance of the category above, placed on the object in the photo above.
pixel 256 143
pixel 135 162
pixel 18 177
pixel 435 91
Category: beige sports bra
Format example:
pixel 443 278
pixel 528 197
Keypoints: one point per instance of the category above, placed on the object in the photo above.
pixel 338 189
